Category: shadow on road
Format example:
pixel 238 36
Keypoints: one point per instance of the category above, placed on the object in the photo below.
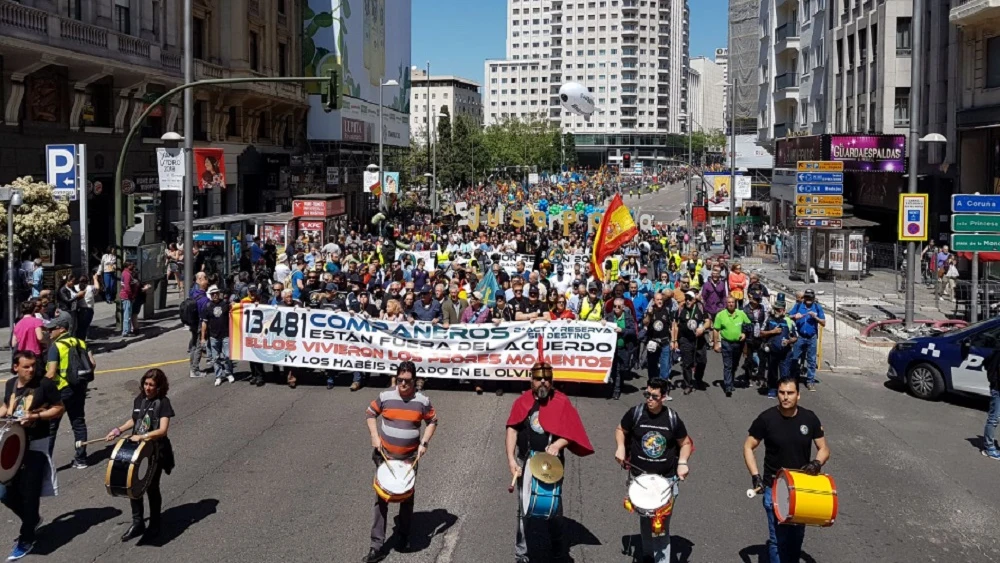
pixel 680 548
pixel 95 457
pixel 177 519
pixel 963 400
pixel 758 554
pixel 65 528
pixel 578 534
pixel 426 525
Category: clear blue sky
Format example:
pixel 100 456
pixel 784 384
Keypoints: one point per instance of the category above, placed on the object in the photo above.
pixel 456 36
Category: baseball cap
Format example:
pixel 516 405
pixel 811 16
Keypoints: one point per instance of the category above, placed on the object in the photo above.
pixel 425 289
pixel 779 301
pixel 212 289
pixel 533 291
pixel 61 320
pixel 477 295
pixel 643 271
pixel 809 294
pixel 691 295
pixel 592 286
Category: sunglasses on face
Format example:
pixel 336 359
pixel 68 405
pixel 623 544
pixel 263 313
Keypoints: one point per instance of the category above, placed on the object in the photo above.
pixel 541 378
pixel 649 395
pixel 404 380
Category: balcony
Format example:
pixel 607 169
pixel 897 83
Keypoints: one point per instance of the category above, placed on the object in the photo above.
pixel 974 12
pixel 786 86
pixel 904 52
pixel 53 30
pixel 630 15
pixel 780 130
pixel 786 37
pixel 630 29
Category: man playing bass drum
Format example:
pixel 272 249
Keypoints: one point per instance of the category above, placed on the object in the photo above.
pixel 34 402
pixel 150 421
pixel 657 443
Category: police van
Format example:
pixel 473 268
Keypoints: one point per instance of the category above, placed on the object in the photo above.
pixel 954 361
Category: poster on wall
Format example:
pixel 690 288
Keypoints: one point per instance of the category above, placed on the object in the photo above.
pixel 836 251
pixel 370 183
pixel 210 168
pixel 392 182
pixel 313 230
pixel 870 153
pixel 857 252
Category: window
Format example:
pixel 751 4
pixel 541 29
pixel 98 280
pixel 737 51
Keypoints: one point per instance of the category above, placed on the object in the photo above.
pixel 75 9
pixel 904 37
pixel 993 62
pixel 254 51
pixel 282 59
pixel 901 112
pixel 281 10
pixel 123 20
pixel 233 125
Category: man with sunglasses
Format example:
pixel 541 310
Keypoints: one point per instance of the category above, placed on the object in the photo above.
pixel 542 420
pixel 689 337
pixel 397 435
pixel 624 324
pixel 658 443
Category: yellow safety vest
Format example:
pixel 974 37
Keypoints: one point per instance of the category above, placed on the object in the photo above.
pixel 615 262
pixel 63 344
pixel 442 256
pixel 591 313
pixel 696 279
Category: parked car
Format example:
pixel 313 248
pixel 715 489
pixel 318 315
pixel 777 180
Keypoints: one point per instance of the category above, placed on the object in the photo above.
pixel 930 366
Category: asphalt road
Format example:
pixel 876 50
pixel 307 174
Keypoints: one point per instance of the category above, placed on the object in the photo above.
pixel 274 474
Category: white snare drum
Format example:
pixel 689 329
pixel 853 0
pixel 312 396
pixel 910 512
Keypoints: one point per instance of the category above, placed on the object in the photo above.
pixel 394 480
pixel 13 443
pixel 651 495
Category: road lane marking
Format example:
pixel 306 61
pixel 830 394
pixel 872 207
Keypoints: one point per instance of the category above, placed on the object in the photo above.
pixel 147 366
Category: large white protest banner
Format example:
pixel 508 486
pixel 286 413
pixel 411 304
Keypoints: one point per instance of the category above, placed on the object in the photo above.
pixel 320 339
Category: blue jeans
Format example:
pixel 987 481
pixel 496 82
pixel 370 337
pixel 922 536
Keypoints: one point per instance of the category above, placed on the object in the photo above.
pixel 658 363
pixel 784 543
pixel 731 353
pixel 806 346
pixel 992 418
pixel 126 316
pixel 109 286
pixel 218 349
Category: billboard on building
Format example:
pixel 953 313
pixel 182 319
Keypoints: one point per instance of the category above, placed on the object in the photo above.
pixel 793 149
pixel 368 42
pixel 870 153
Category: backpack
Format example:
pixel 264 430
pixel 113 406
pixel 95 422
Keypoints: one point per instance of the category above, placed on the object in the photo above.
pixel 637 414
pixel 189 311
pixel 79 368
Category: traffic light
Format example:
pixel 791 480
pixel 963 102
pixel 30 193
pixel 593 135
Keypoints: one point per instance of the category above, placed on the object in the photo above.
pixel 330 92
pixel 627 160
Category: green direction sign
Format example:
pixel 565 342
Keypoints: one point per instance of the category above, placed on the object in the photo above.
pixel 975 223
pixel 976 243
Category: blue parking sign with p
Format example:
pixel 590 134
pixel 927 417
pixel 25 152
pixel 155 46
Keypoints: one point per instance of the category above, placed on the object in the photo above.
pixel 60 170
pixel 913 215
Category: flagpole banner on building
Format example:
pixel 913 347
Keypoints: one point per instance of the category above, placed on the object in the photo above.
pixel 319 339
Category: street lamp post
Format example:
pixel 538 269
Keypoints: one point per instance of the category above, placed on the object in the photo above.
pixel 381 135
pixel 187 192
pixel 14 199
pixel 732 169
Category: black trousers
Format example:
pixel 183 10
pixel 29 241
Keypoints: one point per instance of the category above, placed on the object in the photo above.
pixel 74 398
pixel 23 494
pixel 155 501
pixel 694 356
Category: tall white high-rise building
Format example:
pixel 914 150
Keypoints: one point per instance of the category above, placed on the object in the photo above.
pixel 629 53
pixel 707 94
pixel 460 95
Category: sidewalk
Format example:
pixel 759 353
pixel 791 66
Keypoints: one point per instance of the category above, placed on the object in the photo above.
pixel 104 337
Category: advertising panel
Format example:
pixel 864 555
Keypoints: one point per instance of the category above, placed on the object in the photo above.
pixel 210 168
pixel 870 153
pixel 793 149
pixel 367 42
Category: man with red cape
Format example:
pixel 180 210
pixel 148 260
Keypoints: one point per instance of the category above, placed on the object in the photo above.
pixel 542 420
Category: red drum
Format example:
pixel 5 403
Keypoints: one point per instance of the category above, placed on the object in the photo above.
pixel 13 443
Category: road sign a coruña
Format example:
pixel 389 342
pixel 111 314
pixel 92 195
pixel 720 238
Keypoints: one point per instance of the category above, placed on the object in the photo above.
pixel 60 170
pixel 824 189
pixel 975 203
pixel 976 242
pixel 975 223
pixel 837 200
pixel 820 177
pixel 808 222
pixel 821 211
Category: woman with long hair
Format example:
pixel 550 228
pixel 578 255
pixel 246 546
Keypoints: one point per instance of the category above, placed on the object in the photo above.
pixel 149 422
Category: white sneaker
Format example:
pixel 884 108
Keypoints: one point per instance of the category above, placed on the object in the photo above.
pixel 197 374
pixel 669 398
pixel 231 379
pixel 218 381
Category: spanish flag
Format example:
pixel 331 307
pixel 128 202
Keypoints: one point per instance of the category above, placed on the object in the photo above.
pixel 617 228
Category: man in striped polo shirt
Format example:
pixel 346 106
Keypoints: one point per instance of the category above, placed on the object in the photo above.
pixel 402 409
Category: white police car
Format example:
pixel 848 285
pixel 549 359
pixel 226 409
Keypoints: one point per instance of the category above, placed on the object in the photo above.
pixel 954 361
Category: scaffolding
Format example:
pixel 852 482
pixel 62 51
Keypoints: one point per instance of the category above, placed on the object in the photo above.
pixel 744 48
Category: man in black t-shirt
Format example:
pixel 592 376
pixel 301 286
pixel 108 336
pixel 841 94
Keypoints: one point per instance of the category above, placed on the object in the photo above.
pixel 34 401
pixel 690 327
pixel 657 442
pixel 658 321
pixel 788 432
pixel 215 331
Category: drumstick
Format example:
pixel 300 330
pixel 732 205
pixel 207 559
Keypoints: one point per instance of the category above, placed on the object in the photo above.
pixel 754 492
pixel 513 481
pixel 80 444
pixel 412 467
pixel 387 464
